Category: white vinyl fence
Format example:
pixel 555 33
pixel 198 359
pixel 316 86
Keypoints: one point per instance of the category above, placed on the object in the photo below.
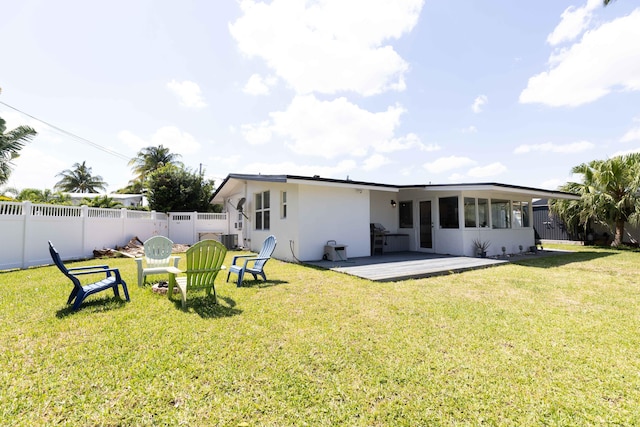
pixel 76 231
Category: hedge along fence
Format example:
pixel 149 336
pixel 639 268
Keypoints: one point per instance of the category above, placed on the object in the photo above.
pixel 77 231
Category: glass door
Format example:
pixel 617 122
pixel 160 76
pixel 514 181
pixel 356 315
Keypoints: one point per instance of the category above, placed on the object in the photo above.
pixel 426 225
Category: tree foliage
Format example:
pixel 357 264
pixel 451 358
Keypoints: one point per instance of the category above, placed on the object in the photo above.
pixel 150 159
pixel 609 194
pixel 80 180
pixel 102 201
pixel 176 189
pixel 11 142
pixel 43 196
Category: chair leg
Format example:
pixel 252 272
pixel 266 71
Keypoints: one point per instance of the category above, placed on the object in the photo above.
pixel 240 277
pixel 126 291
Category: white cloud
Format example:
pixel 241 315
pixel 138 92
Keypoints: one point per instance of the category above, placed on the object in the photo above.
pixel 574 21
pixel 374 162
pixel 603 60
pixel 411 140
pixel 624 152
pixel 479 103
pixel 444 164
pixel 258 85
pixel 329 46
pixel 470 129
pixel 188 93
pixel 171 137
pixel 35 169
pixel 292 168
pixel 548 147
pixel 330 129
pixel 631 135
pixel 257 134
pixel 486 171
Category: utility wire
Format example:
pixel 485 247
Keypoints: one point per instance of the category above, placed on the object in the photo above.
pixel 84 140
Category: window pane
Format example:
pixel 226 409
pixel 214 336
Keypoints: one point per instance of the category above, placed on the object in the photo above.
pixel 258 220
pixel 517 214
pixel 449 212
pixel 267 220
pixel 406 214
pixel 266 200
pixel 483 212
pixel 525 214
pixel 469 212
pixel 259 201
pixel 500 213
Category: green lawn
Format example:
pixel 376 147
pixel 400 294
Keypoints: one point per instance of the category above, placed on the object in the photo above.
pixel 553 341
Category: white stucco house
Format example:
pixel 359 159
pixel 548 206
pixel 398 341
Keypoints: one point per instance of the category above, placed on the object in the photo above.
pixel 304 213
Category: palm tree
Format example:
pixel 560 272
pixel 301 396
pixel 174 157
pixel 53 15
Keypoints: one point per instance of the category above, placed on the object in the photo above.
pixel 609 194
pixel 103 201
pixel 10 144
pixel 150 159
pixel 80 180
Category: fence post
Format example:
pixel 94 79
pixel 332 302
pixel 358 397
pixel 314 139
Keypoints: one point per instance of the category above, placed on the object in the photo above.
pixel 26 214
pixel 84 214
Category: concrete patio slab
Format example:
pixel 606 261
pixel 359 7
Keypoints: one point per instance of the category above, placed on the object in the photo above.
pixel 410 265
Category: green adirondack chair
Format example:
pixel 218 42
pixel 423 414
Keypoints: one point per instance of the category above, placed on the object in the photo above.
pixel 157 257
pixel 204 261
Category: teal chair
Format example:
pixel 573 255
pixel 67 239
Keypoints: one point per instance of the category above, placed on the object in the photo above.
pixel 204 261
pixel 157 257
pixel 253 264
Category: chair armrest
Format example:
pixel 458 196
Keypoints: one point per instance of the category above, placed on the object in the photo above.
pixel 108 272
pixel 247 261
pixel 89 267
pixel 241 256
pixel 173 270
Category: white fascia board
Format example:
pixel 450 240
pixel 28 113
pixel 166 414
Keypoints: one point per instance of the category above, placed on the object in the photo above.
pixel 354 185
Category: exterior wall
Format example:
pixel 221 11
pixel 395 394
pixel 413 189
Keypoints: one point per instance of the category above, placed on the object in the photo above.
pixel 381 210
pixel 285 230
pixel 459 241
pixel 340 214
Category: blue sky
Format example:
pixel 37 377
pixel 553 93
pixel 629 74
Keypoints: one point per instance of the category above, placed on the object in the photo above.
pixel 402 92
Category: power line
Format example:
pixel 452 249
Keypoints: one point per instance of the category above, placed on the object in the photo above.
pixel 84 140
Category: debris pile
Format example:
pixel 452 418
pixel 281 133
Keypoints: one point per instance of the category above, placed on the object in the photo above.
pixel 133 249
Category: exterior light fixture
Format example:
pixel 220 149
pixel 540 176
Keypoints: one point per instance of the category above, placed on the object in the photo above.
pixel 393 203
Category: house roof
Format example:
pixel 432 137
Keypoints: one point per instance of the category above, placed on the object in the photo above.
pixel 234 180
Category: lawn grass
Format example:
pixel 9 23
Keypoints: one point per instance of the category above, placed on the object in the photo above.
pixel 548 341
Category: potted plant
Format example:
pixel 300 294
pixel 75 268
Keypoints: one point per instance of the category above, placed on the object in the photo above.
pixel 481 247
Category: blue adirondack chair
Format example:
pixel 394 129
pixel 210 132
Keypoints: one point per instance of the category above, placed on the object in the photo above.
pixel 253 264
pixel 111 279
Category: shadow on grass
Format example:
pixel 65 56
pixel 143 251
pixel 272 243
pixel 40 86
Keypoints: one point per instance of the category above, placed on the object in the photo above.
pixel 94 305
pixel 205 306
pixel 557 260
pixel 261 283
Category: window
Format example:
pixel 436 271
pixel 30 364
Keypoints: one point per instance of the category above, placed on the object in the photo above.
pixel 521 214
pixel 263 211
pixel 449 212
pixel 406 214
pixel 283 205
pixel 469 212
pixel 500 213
pixel 483 212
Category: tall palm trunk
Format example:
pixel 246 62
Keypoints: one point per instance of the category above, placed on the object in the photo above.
pixel 617 240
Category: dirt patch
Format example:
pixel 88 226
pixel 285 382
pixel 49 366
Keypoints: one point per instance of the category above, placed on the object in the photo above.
pixel 133 249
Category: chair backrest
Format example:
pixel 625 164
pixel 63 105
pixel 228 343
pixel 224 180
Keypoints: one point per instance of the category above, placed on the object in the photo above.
pixel 204 260
pixel 157 251
pixel 268 247
pixel 55 256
